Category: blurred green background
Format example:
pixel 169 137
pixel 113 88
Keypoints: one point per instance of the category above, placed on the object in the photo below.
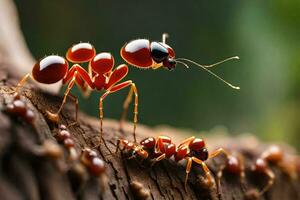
pixel 265 34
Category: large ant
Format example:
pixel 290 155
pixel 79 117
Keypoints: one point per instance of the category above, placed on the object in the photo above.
pixel 192 150
pixel 101 76
pixel 143 53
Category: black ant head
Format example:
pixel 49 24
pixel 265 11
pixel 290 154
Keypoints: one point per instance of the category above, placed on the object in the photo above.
pixel 202 154
pixel 159 52
pixel 198 149
pixel 170 63
pixel 163 53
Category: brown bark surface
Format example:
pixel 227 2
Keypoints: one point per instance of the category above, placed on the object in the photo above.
pixel 26 175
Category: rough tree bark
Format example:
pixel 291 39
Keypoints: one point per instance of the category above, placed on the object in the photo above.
pixel 25 174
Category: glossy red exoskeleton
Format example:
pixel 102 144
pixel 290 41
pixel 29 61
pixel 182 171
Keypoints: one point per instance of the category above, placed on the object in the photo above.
pixel 101 77
pixel 146 54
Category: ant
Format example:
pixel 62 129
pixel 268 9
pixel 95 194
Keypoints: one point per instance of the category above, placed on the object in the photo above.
pixel 192 150
pixel 146 54
pixel 101 77
pixel 272 155
pixel 275 156
pixel 156 149
pixel 234 165
pixel 93 162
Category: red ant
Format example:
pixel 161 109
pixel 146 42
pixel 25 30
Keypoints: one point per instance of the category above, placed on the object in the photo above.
pixel 272 155
pixel 234 165
pixel 90 159
pixel 156 149
pixel 275 156
pixel 192 150
pixel 101 76
pixel 145 54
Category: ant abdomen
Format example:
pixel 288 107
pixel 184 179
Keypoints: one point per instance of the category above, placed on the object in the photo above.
pixel 233 165
pixel 50 69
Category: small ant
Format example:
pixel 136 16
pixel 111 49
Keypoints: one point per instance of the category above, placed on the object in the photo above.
pixel 272 155
pixel 146 54
pixel 155 149
pixel 192 150
pixel 101 76
pixel 64 136
pixel 18 108
pixel 95 164
pixel 234 165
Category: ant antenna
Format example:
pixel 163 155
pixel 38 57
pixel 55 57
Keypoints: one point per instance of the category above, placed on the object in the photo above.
pixel 180 60
pixel 183 64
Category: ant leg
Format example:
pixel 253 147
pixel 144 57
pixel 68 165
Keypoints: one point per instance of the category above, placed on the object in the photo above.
pixel 87 92
pixel 125 107
pixel 116 88
pixel 218 152
pixel 187 171
pixel 242 174
pixel 164 37
pixel 119 143
pixel 135 111
pixel 54 116
pixel 219 177
pixel 101 114
pixel 271 177
pixel 159 158
pixel 209 178
pixel 20 84
pixel 84 80
pixel 75 99
pixel 187 141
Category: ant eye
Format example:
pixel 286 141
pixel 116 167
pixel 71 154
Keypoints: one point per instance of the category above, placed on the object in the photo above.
pixel 159 53
pixel 169 63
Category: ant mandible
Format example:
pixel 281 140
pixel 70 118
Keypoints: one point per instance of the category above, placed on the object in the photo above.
pixel 192 150
pixel 52 69
pixel 145 54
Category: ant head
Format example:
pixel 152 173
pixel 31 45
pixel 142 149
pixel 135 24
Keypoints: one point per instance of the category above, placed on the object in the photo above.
pixel 102 63
pixel 198 149
pixel 163 53
pixel 139 152
pixel 170 63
